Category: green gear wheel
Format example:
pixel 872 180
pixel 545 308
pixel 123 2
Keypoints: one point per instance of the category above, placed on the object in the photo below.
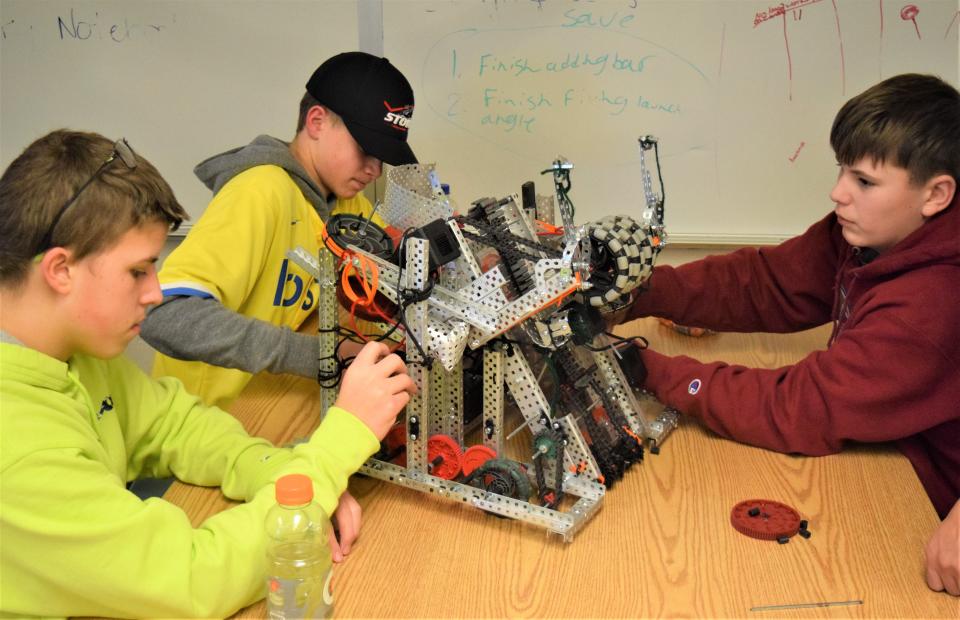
pixel 545 445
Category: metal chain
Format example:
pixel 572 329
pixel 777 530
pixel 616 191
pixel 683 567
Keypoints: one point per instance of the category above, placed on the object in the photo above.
pixel 630 450
pixel 557 439
pixel 579 401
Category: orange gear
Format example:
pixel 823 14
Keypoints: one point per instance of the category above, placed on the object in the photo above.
pixel 445 456
pixel 395 443
pixel 765 519
pixel 475 456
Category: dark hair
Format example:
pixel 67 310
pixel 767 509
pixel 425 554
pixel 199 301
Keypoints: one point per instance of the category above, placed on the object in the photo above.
pixel 910 120
pixel 49 172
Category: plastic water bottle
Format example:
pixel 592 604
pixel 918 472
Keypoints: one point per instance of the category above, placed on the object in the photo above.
pixel 299 565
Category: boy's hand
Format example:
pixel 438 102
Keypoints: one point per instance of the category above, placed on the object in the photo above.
pixel 616 317
pixel 943 555
pixel 376 387
pixel 612 319
pixel 350 349
pixel 348 520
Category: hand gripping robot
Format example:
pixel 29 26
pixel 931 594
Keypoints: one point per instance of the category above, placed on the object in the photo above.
pixel 502 297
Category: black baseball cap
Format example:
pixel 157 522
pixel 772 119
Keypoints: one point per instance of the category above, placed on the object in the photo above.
pixel 374 100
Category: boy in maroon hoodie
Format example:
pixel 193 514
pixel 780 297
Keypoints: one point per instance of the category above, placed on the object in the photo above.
pixel 884 267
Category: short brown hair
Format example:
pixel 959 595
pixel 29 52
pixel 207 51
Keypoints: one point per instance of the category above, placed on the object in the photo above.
pixel 910 120
pixel 307 102
pixel 49 172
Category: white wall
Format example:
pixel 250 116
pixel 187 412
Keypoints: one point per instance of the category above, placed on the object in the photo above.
pixel 740 95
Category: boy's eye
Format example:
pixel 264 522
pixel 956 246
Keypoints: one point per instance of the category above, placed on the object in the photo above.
pixel 864 182
pixel 138 273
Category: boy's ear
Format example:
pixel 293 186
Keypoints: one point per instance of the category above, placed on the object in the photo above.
pixel 318 118
pixel 940 192
pixel 56 268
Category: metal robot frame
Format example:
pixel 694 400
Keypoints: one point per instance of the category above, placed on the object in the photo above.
pixel 537 300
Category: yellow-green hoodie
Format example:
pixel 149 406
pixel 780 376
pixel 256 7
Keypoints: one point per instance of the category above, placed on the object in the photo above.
pixel 74 541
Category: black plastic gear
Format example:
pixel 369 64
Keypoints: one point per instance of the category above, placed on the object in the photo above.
pixel 346 229
pixel 503 477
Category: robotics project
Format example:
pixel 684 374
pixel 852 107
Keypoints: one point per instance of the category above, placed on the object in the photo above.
pixel 502 297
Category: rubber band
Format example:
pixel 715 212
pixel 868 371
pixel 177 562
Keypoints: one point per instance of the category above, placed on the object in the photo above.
pixel 357 267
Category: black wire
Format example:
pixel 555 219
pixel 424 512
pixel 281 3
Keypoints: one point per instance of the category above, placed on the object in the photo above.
pixel 329 380
pixel 386 334
pixel 405 298
pixel 663 191
pixel 635 341
pixel 567 186
pixel 563 185
pixel 332 379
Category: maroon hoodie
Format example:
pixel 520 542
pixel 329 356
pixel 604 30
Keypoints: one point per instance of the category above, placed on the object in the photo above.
pixel 892 369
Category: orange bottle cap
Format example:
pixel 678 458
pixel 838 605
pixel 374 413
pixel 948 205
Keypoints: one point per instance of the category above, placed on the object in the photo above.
pixel 294 489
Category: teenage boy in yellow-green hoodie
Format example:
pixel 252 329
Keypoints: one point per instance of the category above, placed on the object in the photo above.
pixel 82 221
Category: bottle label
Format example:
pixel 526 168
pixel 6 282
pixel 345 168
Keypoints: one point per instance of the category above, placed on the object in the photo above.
pixel 299 598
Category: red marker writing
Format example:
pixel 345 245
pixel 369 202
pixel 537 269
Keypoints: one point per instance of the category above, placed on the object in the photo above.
pixel 909 13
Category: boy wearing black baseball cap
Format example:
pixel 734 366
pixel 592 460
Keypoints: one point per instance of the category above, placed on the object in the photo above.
pixel 374 100
pixel 232 300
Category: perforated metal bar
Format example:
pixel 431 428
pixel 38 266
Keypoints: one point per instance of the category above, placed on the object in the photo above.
pixel 452 302
pixel 328 320
pixel 446 402
pixel 520 223
pixel 660 420
pixel 577 458
pixel 616 386
pixel 493 399
pixel 525 390
pixel 466 259
pixel 554 287
pixel 566 524
pixel 409 200
pixel 418 409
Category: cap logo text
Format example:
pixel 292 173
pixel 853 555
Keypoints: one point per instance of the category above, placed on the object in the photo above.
pixel 398 117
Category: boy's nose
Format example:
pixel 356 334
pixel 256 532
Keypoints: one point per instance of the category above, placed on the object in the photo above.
pixel 373 166
pixel 838 195
pixel 152 295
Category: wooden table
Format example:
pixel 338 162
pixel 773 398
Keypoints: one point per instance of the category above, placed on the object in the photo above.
pixel 661 545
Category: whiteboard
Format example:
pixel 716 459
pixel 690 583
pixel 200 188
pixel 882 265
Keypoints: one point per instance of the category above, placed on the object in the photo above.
pixel 181 80
pixel 740 94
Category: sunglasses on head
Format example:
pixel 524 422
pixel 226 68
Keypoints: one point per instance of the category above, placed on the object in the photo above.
pixel 123 152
